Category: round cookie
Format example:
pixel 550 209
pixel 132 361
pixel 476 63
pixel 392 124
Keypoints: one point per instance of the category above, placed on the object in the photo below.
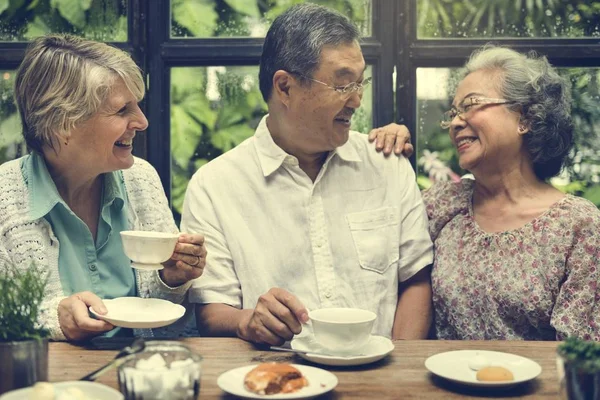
pixel 494 374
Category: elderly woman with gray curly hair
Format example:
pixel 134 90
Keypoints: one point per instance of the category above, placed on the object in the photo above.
pixel 63 205
pixel 514 257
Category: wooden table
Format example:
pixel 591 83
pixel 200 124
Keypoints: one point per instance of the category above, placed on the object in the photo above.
pixel 402 375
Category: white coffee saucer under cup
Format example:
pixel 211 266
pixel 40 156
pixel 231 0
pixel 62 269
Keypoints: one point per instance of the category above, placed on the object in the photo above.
pixel 376 348
pixel 140 313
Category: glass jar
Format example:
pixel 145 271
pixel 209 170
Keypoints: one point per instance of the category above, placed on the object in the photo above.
pixel 164 370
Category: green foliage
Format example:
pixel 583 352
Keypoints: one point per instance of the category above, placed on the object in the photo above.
pixel 21 295
pixel 3 5
pixel 592 193
pixel 581 355
pixel 102 20
pixel 207 121
pixel 508 18
pixel 198 17
pixel 244 7
pixel 203 128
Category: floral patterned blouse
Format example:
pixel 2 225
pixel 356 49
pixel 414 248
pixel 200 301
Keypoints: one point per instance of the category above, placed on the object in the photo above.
pixel 538 282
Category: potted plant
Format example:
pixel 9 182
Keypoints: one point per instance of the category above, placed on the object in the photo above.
pixel 579 369
pixel 23 342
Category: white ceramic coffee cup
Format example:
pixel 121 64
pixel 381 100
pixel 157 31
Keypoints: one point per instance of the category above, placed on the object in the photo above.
pixel 148 250
pixel 342 330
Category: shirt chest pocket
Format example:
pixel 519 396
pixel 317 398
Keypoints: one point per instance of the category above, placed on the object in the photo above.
pixel 376 236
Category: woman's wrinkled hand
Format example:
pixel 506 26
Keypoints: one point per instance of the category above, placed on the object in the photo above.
pixel 392 136
pixel 74 318
pixel 187 262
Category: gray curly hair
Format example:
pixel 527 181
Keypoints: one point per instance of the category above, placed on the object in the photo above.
pixel 542 97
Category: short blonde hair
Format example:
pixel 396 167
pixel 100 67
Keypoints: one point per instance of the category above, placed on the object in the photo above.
pixel 64 80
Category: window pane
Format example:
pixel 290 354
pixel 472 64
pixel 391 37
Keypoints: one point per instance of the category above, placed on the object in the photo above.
pixel 213 109
pixel 437 156
pixel 507 18
pixel 12 144
pixel 249 18
pixel 103 20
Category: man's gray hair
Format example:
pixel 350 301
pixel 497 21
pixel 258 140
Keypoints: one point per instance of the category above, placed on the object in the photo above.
pixel 296 38
pixel 541 95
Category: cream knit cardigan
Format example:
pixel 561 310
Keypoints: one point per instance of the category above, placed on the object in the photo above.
pixel 24 241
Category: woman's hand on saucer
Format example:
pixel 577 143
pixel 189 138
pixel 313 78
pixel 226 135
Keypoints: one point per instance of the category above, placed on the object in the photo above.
pixel 278 316
pixel 74 318
pixel 187 262
pixel 392 136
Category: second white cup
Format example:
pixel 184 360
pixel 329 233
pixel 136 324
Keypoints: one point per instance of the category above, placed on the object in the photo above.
pixel 342 330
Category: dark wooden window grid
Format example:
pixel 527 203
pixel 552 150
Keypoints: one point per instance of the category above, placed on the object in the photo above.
pixel 393 44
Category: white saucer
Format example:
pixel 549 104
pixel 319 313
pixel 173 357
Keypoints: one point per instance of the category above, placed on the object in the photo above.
pixel 319 382
pixel 136 312
pixel 454 366
pixel 94 390
pixel 376 348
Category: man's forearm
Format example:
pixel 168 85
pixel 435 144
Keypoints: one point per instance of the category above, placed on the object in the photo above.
pixel 219 319
pixel 414 310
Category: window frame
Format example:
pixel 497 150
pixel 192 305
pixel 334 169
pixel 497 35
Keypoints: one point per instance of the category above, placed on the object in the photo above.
pixel 394 27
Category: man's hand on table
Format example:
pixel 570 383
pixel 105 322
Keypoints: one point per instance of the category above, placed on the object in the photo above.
pixel 74 318
pixel 278 316
pixel 187 262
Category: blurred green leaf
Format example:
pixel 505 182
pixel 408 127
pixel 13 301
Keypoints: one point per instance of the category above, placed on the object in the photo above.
pixel 593 194
pixel 197 16
pixel 229 115
pixel 227 138
pixel 185 135
pixel 574 187
pixel 72 10
pixel 121 30
pixel 36 28
pixel 33 5
pixel 199 162
pixel 246 7
pixel 10 130
pixel 198 107
pixel 423 182
pixel 179 185
pixel 185 81
pixel 3 6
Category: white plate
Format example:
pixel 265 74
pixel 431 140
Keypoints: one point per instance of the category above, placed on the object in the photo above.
pixel 454 366
pixel 319 382
pixel 136 312
pixel 93 390
pixel 376 348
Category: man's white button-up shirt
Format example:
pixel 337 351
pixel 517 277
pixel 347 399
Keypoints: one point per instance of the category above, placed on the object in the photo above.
pixel 345 240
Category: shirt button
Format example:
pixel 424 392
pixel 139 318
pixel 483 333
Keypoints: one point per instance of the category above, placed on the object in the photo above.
pixel 319 245
pixel 93 267
pixel 328 294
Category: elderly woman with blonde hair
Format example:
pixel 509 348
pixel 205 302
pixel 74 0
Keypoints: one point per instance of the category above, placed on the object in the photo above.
pixel 63 205
pixel 514 257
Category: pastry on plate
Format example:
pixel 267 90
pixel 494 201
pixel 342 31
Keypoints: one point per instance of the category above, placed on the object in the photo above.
pixel 273 378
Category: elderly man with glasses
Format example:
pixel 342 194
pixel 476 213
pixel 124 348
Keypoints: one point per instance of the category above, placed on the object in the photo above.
pixel 304 215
